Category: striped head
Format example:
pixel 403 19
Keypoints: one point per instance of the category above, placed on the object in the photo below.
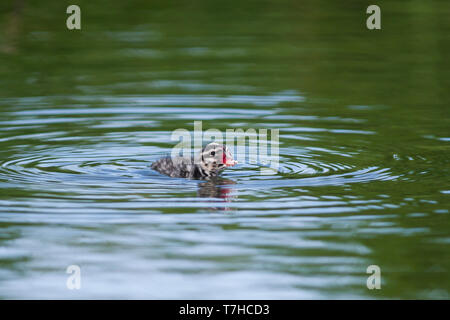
pixel 216 157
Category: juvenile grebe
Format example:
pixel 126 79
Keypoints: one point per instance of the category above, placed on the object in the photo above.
pixel 213 159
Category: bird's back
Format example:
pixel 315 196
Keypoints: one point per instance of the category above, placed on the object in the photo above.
pixel 178 167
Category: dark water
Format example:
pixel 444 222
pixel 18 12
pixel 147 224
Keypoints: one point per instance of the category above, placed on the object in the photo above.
pixel 364 149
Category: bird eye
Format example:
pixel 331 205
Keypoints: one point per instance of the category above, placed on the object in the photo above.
pixel 213 153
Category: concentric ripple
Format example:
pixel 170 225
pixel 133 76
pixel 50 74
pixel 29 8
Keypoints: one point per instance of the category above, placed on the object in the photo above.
pixel 84 162
pixel 96 144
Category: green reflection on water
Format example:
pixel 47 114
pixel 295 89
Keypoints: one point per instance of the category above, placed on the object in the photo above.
pixel 391 84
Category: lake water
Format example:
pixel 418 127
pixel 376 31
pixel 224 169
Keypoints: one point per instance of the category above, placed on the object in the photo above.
pixel 363 178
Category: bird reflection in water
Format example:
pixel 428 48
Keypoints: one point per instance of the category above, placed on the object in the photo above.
pixel 217 188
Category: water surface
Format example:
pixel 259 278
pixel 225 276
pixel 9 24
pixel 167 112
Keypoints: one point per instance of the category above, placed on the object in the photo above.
pixel 364 150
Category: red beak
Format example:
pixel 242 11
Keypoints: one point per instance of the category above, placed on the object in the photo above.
pixel 226 161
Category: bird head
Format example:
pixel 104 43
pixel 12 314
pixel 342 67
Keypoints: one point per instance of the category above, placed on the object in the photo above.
pixel 216 157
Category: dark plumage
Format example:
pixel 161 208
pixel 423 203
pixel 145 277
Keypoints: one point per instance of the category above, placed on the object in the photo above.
pixel 213 159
